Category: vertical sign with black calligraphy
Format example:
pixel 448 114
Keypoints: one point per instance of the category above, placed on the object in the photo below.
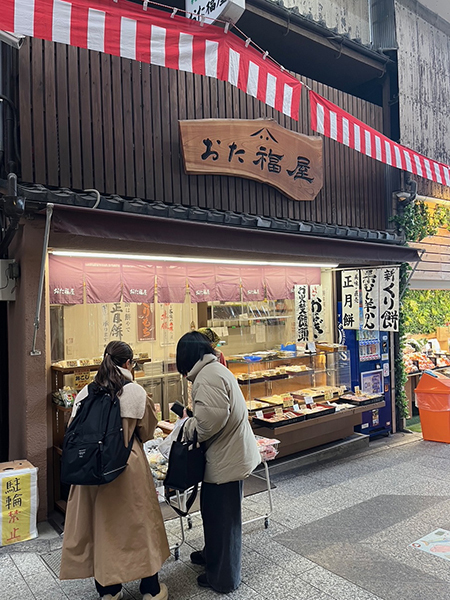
pixel 389 298
pixel 317 312
pixel 370 299
pixel 301 313
pixel 350 299
pixel 145 322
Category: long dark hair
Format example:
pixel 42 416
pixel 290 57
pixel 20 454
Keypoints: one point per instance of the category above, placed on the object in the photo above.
pixel 191 348
pixel 108 375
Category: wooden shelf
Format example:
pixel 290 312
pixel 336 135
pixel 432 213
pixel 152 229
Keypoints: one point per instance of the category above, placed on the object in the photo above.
pixel 318 431
pixel 69 370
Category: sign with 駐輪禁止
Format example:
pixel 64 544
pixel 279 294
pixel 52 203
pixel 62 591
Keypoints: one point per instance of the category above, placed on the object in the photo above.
pixel 258 149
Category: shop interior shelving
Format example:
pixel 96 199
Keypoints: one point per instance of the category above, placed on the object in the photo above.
pixel 330 369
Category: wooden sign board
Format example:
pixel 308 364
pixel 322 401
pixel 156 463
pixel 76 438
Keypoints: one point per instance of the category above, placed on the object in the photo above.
pixel 257 149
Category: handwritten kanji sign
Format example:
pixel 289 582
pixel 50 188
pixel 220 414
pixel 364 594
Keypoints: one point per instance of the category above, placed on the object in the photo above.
pixel 301 313
pixel 370 299
pixel 389 298
pixel 82 378
pixel 317 312
pixel 18 489
pixel 257 149
pixel 146 322
pixel 350 299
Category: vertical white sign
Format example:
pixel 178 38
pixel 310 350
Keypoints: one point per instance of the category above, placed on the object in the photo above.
pixel 350 299
pixel 370 299
pixel 317 312
pixel 301 313
pixel 389 298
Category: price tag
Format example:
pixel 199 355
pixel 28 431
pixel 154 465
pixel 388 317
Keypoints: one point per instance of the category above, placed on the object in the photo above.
pixel 259 414
pixel 296 408
pixel 328 396
pixel 357 390
pixel 81 379
pixel 278 411
pixel 309 400
pixel 311 346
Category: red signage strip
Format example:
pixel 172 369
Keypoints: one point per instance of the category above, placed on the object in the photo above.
pixel 335 123
pixel 124 29
pixel 109 280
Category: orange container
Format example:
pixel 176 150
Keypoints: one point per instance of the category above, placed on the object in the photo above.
pixel 433 401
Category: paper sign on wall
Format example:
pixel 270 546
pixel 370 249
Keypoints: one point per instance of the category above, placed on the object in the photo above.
pixel 301 313
pixel 389 298
pixel 350 299
pixel 18 488
pixel 370 299
pixel 317 312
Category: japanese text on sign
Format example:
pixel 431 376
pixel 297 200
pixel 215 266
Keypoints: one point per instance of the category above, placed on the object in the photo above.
pixel 389 298
pixel 146 322
pixel 256 149
pixel 350 299
pixel 317 312
pixel 301 313
pixel 18 506
pixel 370 299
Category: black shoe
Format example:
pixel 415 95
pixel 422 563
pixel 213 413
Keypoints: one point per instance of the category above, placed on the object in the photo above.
pixel 197 558
pixel 203 581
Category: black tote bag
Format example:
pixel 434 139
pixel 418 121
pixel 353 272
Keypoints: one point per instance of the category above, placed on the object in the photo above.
pixel 186 469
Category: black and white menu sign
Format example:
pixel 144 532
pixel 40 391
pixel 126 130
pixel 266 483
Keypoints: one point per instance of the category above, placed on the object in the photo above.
pixel 350 299
pixel 317 312
pixel 301 313
pixel 389 298
pixel 370 299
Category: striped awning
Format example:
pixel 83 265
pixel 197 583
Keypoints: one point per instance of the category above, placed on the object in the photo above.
pixel 337 124
pixel 125 29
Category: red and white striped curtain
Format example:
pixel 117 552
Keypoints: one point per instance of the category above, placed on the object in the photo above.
pixel 335 123
pixel 125 29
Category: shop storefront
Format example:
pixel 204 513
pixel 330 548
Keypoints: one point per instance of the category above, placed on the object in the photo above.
pixel 282 219
pixel 284 349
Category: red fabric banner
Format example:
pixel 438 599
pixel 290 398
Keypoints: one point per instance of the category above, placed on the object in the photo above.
pixel 202 282
pixel 103 281
pixel 301 276
pixel 171 283
pixel 252 279
pixel 124 29
pixel 228 283
pixel 138 280
pixel 337 124
pixel 66 279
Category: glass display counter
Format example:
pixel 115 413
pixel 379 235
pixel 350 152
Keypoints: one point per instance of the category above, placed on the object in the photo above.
pixel 299 395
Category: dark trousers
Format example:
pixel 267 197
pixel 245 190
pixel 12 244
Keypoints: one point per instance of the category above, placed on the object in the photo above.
pixel 220 506
pixel 149 585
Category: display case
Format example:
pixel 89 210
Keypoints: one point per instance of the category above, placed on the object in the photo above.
pixel 268 377
pixel 298 395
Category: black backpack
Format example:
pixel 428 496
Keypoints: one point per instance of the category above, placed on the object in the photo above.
pixel 93 451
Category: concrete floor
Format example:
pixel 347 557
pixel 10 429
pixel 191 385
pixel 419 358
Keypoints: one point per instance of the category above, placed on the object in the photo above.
pixel 339 531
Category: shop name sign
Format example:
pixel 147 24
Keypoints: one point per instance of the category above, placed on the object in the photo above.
pixel 257 149
pixel 212 10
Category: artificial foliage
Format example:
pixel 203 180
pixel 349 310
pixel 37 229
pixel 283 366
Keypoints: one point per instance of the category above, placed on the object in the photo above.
pixel 399 345
pixel 418 309
pixel 424 310
pixel 418 221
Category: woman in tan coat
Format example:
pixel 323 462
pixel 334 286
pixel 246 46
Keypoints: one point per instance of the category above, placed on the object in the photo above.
pixel 115 532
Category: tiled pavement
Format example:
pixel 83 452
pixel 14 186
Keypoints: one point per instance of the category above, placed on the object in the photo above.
pixel 340 531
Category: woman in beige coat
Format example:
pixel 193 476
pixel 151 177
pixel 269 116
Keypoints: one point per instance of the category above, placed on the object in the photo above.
pixel 115 532
pixel 221 421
